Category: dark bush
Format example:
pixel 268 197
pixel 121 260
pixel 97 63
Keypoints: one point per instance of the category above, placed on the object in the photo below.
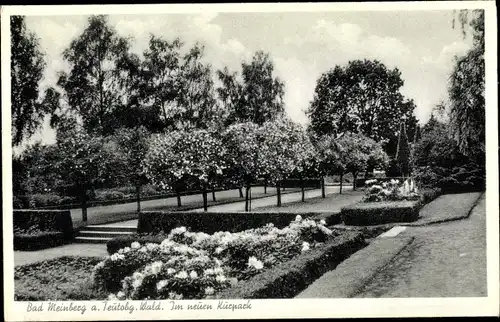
pixel 109 195
pixel 41 228
pixel 211 222
pixel 42 200
pixel 288 279
pixel 429 194
pixel 376 213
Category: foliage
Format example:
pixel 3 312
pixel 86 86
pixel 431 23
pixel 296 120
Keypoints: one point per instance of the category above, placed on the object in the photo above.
pixel 388 191
pixel 99 78
pixel 257 97
pixel 466 90
pixel 26 70
pixel 196 265
pixel 465 178
pixel 363 97
pixel 63 278
pixel 194 155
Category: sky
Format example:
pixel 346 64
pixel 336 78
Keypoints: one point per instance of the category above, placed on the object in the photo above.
pixel 303 45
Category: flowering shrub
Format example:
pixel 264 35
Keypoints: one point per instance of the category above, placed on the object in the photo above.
pixel 390 191
pixel 195 265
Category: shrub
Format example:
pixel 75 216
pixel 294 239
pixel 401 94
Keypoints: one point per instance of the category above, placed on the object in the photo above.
pixel 109 195
pixel 36 229
pixel 43 200
pixel 120 242
pixel 196 265
pixel 375 213
pixel 429 194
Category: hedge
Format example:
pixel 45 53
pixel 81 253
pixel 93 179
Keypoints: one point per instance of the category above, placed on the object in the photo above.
pixel 38 229
pixel 375 213
pixel 288 279
pixel 429 194
pixel 210 222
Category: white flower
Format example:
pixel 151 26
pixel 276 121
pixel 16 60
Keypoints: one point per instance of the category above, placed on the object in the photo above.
pixel 112 297
pixel 170 271
pixel 135 245
pixel 298 218
pixel 161 284
pixel 305 246
pixel 322 222
pixel 218 250
pixel 208 271
pixel 116 256
pixel 120 295
pixel 126 250
pixel 209 291
pixel 193 275
pixel 254 262
pixel 156 267
pixel 178 230
pixel 120 251
pixel 368 182
pixel 182 275
pixel 220 278
pixel 151 246
pixel 143 249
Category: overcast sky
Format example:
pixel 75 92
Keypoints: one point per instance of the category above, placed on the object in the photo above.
pixel 303 45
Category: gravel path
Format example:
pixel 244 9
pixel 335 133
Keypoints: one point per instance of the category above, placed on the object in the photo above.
pixel 23 258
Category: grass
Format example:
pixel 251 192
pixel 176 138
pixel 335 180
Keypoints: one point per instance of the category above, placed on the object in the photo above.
pixel 449 207
pixel 332 203
pixel 63 278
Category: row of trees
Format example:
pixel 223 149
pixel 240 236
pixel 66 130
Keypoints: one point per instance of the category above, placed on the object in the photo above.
pixel 239 156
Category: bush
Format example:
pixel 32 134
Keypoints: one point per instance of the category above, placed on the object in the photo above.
pixel 194 265
pixel 429 194
pixel 120 242
pixel 37 229
pixel 288 279
pixel 210 222
pixel 43 200
pixel 375 213
pixel 109 195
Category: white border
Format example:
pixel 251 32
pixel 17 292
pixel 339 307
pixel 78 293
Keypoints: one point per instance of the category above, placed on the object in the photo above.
pixel 420 307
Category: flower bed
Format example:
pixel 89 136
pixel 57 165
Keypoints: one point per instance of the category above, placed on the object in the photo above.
pixel 38 229
pixel 390 190
pixel 63 278
pixel 196 265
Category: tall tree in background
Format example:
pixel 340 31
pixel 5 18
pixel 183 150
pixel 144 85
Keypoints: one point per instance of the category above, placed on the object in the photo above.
pixel 363 97
pixel 96 84
pixel 27 65
pixel 258 96
pixel 466 89
pixel 403 154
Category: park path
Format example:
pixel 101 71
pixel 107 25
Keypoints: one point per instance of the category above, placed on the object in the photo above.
pixel 271 201
pixel 444 260
pixel 94 213
pixel 29 257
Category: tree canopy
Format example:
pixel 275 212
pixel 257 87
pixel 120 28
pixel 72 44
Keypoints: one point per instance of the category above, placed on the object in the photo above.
pixel 27 66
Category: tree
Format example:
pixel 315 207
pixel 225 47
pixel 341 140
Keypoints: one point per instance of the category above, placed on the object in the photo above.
pixel 133 147
pixel 256 97
pixel 466 90
pixel 243 143
pixel 404 153
pixel 330 162
pixel 357 152
pixel 83 163
pixel 98 81
pixel 363 97
pixel 27 66
pixel 178 156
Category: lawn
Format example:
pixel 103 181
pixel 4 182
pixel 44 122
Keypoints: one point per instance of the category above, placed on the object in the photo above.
pixel 332 203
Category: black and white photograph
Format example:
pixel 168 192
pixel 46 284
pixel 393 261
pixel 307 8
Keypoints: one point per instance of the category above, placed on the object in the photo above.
pixel 195 161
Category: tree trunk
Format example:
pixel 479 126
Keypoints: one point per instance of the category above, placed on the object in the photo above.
pixel 247 198
pixel 278 194
pixel 354 177
pixel 302 190
pixel 178 193
pixel 241 192
pixel 341 181
pixel 213 193
pixel 138 195
pixel 205 201
pixel 84 206
pixel 265 188
pixel 323 192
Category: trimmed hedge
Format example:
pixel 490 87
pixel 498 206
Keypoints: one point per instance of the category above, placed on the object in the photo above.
pixel 375 213
pixel 154 222
pixel 288 279
pixel 429 194
pixel 38 229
